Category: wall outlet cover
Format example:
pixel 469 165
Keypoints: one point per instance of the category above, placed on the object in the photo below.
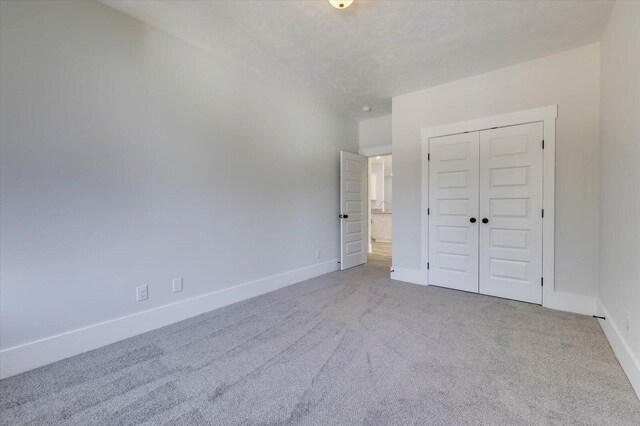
pixel 142 293
pixel 177 285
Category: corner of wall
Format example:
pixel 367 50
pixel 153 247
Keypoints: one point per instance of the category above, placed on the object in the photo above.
pixel 408 275
pixel 628 360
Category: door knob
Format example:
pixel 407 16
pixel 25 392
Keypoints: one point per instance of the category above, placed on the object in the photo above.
pixel 343 216
pixel 485 220
pixel 472 220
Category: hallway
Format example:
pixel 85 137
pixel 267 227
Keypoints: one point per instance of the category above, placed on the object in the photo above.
pixel 381 254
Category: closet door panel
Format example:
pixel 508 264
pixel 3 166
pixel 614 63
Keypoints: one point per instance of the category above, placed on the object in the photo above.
pixel 511 173
pixel 453 202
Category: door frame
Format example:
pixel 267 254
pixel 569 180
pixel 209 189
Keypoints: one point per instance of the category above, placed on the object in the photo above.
pixel 547 115
pixel 373 152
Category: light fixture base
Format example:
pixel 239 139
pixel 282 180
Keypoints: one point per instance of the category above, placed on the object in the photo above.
pixel 341 4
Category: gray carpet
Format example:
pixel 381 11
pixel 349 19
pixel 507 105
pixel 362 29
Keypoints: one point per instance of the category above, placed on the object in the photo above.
pixel 346 348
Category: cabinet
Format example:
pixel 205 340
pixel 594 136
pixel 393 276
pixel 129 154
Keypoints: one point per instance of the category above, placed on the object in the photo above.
pixel 381 227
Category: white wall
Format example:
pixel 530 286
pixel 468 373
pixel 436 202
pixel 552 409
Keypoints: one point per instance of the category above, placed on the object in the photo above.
pixel 388 191
pixel 375 132
pixel 129 157
pixel 620 184
pixel 570 80
pixel 377 183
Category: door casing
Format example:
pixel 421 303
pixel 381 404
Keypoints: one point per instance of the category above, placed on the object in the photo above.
pixel 369 153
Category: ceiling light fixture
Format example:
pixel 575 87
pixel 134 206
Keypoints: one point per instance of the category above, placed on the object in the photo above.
pixel 366 108
pixel 341 4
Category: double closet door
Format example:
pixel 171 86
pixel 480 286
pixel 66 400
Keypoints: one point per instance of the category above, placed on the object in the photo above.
pixel 485 212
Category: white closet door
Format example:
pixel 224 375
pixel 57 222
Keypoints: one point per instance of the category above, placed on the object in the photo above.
pixel 510 209
pixel 453 204
pixel 353 200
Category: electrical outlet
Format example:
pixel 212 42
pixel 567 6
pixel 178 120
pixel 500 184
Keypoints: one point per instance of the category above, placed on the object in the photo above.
pixel 318 254
pixel 177 285
pixel 142 293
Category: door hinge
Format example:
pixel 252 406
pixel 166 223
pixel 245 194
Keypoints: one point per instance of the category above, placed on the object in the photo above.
pixel 429 157
pixel 542 281
pixel 428 211
pixel 542 143
pixel 427 265
pixel 542 212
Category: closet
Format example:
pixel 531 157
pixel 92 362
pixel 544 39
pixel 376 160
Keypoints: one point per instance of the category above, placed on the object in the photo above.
pixel 485 211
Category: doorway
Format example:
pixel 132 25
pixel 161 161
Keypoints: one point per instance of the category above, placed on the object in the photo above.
pixel 380 209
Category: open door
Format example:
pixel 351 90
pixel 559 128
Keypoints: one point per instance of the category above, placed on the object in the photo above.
pixel 353 199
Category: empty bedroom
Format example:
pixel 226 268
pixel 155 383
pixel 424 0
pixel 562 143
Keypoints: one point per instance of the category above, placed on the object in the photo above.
pixel 319 212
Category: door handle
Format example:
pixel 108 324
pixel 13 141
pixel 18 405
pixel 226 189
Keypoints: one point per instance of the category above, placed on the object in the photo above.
pixel 472 220
pixel 485 220
pixel 344 216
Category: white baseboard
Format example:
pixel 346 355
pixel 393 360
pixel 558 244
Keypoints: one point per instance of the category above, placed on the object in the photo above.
pixel 409 275
pixel 35 354
pixel 570 302
pixel 628 360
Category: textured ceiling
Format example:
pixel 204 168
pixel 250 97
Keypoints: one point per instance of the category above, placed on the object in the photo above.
pixel 374 50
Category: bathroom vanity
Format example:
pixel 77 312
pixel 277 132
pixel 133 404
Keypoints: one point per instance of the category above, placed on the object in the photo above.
pixel 381 226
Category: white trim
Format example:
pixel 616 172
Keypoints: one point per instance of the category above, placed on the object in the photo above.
pixel 549 294
pixel 628 360
pixel 50 349
pixel 369 214
pixel 547 115
pixel 424 222
pixel 382 240
pixel 376 150
pixel 408 275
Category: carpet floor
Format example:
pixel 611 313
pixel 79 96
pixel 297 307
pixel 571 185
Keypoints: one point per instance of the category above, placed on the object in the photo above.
pixel 346 348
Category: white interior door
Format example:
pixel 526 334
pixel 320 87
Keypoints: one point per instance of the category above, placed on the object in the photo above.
pixel 453 211
pixel 353 213
pixel 511 171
